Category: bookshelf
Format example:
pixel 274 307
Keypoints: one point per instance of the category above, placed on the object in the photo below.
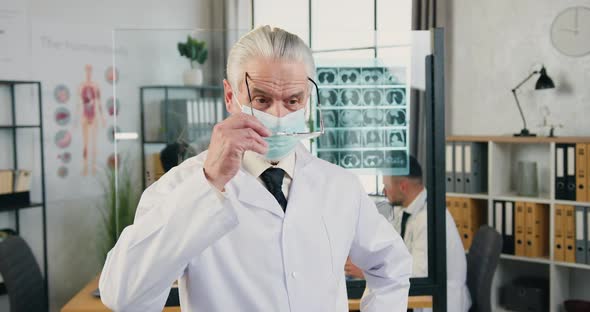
pixel 22 119
pixel 170 113
pixel 567 280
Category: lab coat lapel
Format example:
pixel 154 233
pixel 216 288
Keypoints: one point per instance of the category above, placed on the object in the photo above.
pixel 252 193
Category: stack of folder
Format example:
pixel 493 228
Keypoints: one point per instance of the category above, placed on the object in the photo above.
pixel 6 181
pixel 14 181
pixel 22 180
pixel 524 227
pixel 469 215
pixel 572 234
pixel 571 173
pixel 466 167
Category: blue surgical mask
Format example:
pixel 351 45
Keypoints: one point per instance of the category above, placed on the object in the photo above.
pixel 280 146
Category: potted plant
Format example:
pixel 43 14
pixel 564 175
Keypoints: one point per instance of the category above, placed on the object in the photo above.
pixel 197 53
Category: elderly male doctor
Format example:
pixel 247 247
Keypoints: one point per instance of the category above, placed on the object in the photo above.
pixel 257 223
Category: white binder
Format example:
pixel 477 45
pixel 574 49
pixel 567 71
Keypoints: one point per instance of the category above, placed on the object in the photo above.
pixel 459 175
pixel 449 166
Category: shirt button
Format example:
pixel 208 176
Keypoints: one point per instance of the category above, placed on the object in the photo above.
pixel 294 274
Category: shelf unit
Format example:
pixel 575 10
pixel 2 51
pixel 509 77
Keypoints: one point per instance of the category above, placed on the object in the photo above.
pixel 14 128
pixel 171 111
pixel 503 153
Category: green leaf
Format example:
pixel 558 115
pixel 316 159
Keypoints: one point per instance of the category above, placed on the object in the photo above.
pixel 202 57
pixel 194 50
pixel 194 53
pixel 182 49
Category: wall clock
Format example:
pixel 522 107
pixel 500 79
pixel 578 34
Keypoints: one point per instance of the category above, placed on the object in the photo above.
pixel 570 31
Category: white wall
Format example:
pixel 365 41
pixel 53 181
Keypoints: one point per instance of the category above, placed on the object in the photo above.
pixel 73 223
pixel 493 46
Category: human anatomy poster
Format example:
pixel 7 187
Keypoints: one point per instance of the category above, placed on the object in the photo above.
pixel 74 64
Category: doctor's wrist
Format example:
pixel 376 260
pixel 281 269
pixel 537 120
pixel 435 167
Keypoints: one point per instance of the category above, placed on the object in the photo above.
pixel 220 186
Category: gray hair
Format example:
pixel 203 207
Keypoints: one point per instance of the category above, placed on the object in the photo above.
pixel 267 42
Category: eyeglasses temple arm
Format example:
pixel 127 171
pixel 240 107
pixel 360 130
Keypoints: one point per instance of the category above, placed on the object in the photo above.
pixel 246 76
pixel 317 90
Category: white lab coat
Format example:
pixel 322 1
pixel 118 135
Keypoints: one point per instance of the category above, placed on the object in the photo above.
pixel 240 252
pixel 416 238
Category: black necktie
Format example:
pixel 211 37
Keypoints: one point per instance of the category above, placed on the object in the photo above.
pixel 273 179
pixel 405 218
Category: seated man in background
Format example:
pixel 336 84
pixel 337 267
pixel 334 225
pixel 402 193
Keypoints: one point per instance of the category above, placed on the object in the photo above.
pixel 405 209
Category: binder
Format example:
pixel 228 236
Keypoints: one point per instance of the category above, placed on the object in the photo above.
pixel 559 234
pixel 588 172
pixel 519 229
pixel 450 166
pixel 570 174
pixel 587 235
pixel 537 230
pixel 458 207
pixel 560 167
pixel 459 175
pixel 580 235
pixel 451 207
pixel 153 168
pixel 464 204
pixel 581 172
pixel 6 181
pixel 498 207
pixel 491 216
pixel 570 235
pixel 473 216
pixel 455 213
pixel 508 233
pixel 542 227
pixel 475 169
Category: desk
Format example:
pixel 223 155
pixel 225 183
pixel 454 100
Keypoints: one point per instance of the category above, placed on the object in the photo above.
pixel 83 301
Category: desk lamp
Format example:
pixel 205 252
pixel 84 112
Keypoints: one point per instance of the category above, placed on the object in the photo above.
pixel 544 82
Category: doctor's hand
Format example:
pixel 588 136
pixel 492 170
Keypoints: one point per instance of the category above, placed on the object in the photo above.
pixel 352 270
pixel 229 140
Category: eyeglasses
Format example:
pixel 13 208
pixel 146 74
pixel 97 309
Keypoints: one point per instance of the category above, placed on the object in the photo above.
pixel 299 135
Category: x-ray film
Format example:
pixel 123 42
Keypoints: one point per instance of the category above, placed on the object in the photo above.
pixel 366 117
pixel 327 76
pixel 349 76
pixel 395 96
pixel 350 97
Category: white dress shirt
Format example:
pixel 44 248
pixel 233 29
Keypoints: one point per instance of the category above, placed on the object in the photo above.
pixel 239 251
pixel 416 238
pixel 256 164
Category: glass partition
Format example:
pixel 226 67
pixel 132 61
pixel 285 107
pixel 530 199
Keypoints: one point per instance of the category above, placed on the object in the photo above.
pixel 374 102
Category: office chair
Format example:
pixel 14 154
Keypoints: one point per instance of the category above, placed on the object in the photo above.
pixel 482 260
pixel 22 276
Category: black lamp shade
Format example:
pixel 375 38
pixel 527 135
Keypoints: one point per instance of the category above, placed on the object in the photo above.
pixel 544 81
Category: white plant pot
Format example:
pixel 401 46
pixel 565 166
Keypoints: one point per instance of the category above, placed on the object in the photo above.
pixel 193 77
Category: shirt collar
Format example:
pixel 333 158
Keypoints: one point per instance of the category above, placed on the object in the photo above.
pixel 418 203
pixel 256 164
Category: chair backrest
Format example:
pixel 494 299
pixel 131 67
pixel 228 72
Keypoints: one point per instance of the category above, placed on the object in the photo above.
pixel 22 276
pixel 482 261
